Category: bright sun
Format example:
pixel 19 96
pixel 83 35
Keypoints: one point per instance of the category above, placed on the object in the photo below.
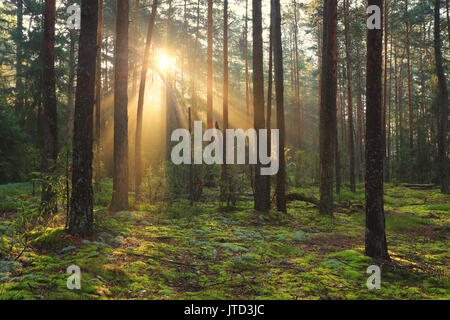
pixel 164 61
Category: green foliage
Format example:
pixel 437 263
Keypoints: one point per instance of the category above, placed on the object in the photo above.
pixel 15 153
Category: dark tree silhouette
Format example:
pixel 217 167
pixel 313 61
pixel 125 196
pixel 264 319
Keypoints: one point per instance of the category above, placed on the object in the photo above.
pixel 279 93
pixel 120 175
pixel 225 183
pixel 262 190
pixel 443 103
pixel 376 245
pixel 209 98
pixel 50 121
pixel 82 203
pixel 328 106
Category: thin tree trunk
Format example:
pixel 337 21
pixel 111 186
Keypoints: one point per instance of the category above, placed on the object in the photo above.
pixel 375 240
pixel 209 96
pixel 225 182
pixel 99 90
pixel 383 122
pixel 410 111
pixel 140 108
pixel 279 93
pixel 120 176
pixel 19 61
pixel 81 210
pixel 297 80
pixel 70 89
pixel 328 106
pixel 194 65
pixel 443 104
pixel 351 145
pixel 247 81
pixel 135 48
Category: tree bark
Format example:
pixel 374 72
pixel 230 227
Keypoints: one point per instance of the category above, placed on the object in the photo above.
pixel 209 96
pixel 375 238
pixel 443 103
pixel 262 191
pixel 225 182
pixel 279 93
pixel 120 175
pixel 410 111
pixel 135 48
pixel 351 145
pixel 247 79
pixel 50 154
pixel 297 80
pixel 99 91
pixel 328 106
pixel 82 203
pixel 20 103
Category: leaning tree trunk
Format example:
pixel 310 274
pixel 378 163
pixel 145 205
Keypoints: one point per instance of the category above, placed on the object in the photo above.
pixel 443 104
pixel 82 203
pixel 279 94
pixel 375 240
pixel 140 108
pixel 328 106
pixel 120 174
pixel 50 114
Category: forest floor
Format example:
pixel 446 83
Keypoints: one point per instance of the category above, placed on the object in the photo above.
pixel 174 251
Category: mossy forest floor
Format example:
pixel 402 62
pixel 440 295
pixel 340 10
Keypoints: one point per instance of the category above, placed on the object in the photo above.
pixel 174 251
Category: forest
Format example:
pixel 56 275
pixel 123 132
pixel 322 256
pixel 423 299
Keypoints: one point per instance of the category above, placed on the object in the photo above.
pixel 224 150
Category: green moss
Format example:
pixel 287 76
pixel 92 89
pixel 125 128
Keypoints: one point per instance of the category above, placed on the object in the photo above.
pixel 52 239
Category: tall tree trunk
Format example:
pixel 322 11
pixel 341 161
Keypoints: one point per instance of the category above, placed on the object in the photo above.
pixel 383 121
pixel 359 117
pixel 19 61
pixel 99 90
pixel 82 203
pixel 225 183
pixel 49 98
pixel 169 107
pixel 120 175
pixel 140 108
pixel 375 240
pixel 328 106
pixel 135 48
pixel 351 145
pixel 448 23
pixel 297 80
pixel 262 191
pixel 443 103
pixel 70 89
pixel 388 151
pixel 279 93
pixel 209 96
pixel 247 79
pixel 410 111
pixel 194 64
pixel 270 81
